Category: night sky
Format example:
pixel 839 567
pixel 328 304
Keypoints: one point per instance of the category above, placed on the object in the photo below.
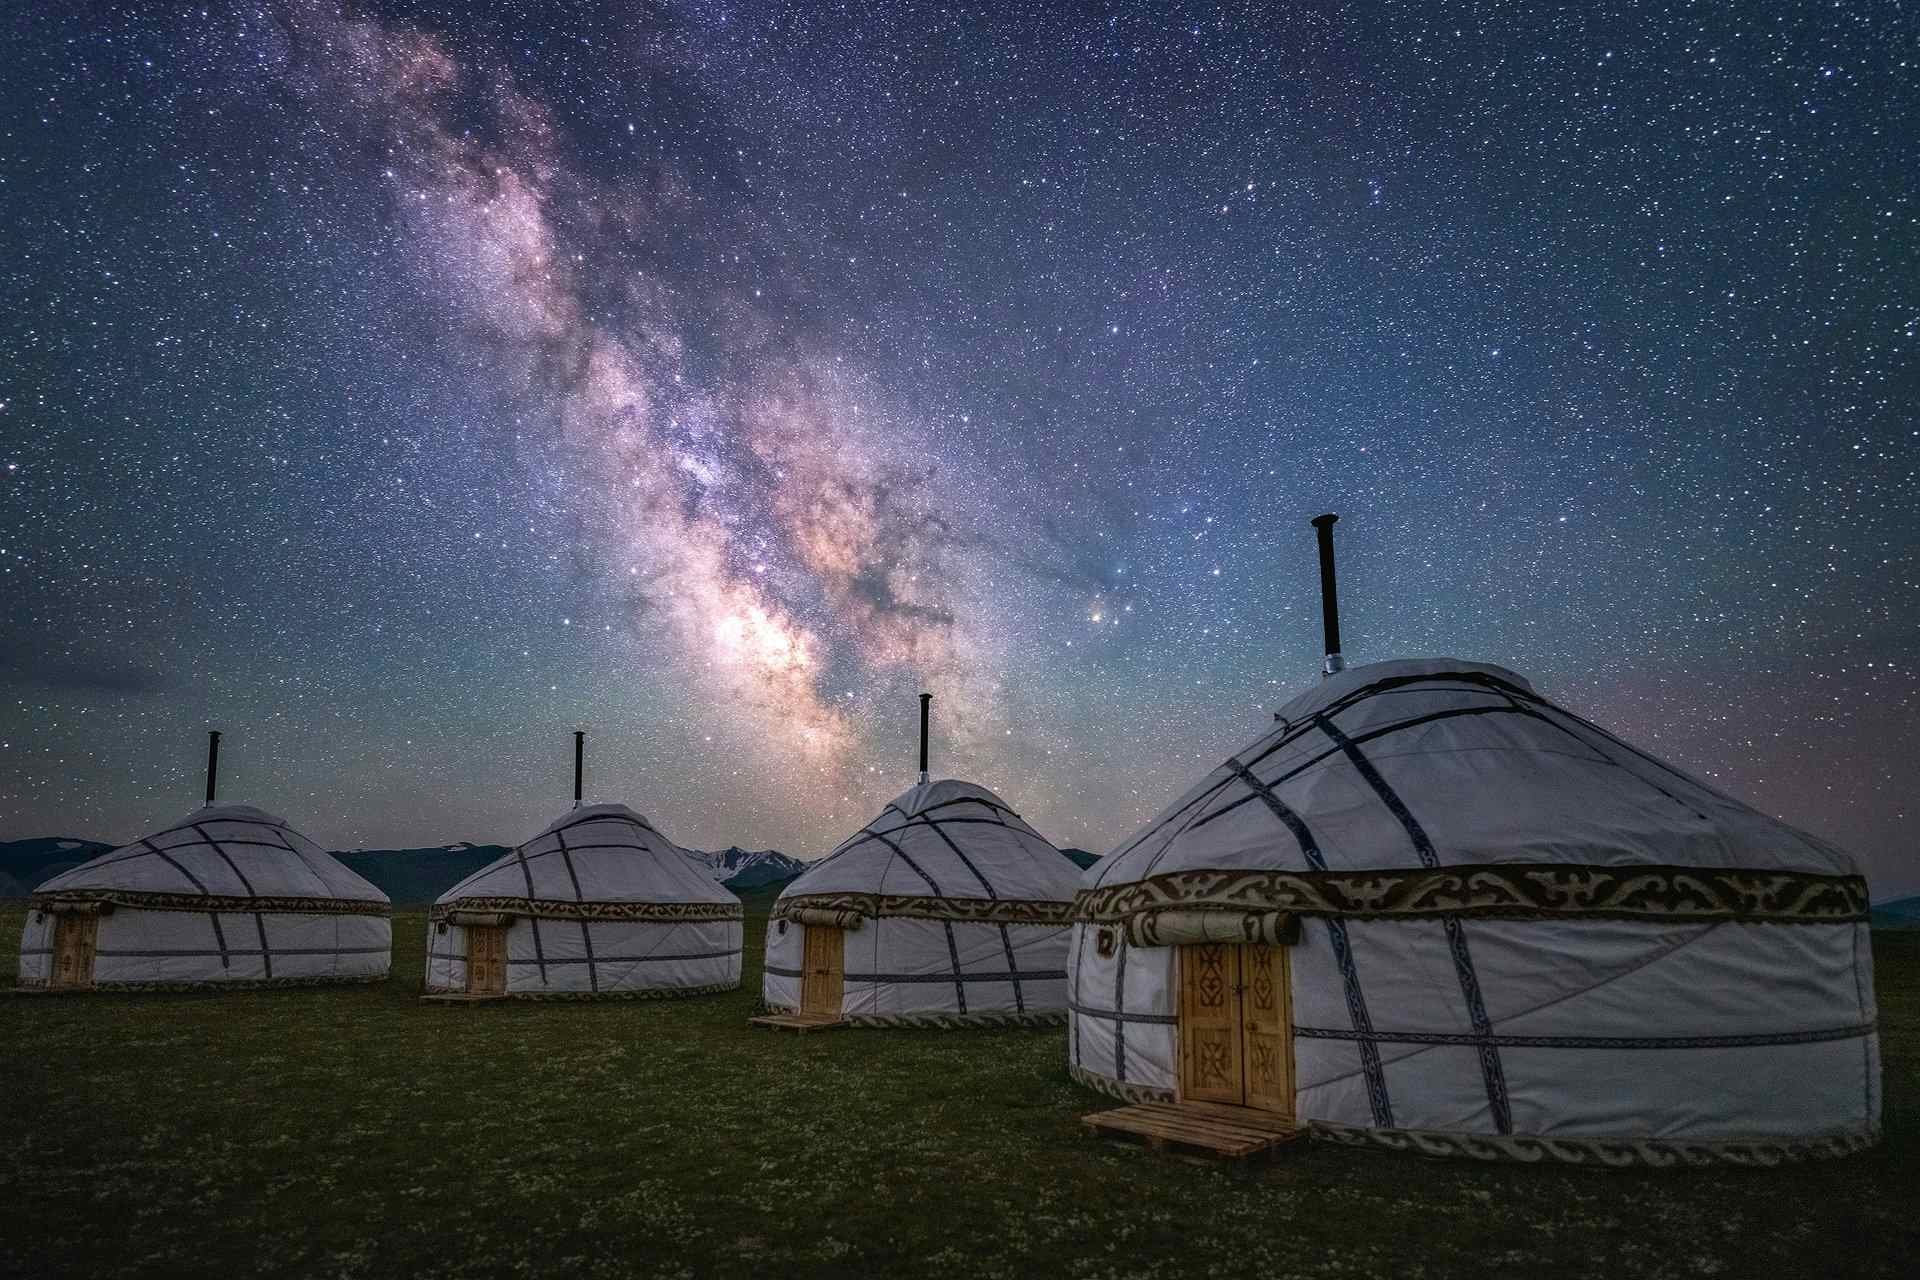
pixel 397 391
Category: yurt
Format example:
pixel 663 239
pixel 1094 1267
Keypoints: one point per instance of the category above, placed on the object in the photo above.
pixel 1430 910
pixel 598 905
pixel 228 896
pixel 947 910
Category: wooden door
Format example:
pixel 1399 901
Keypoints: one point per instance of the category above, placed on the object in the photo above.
pixel 1210 1051
pixel 1236 1026
pixel 74 934
pixel 1266 1013
pixel 823 973
pixel 486 959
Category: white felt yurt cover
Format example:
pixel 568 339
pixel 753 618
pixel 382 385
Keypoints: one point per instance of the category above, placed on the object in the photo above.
pixel 229 895
pixel 1517 934
pixel 598 904
pixel 958 912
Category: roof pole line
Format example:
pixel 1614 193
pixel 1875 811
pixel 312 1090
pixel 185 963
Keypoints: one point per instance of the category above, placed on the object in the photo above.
pixel 213 761
pixel 926 700
pixel 1329 596
pixel 579 762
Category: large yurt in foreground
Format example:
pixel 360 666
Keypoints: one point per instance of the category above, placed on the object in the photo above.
pixel 1430 910
pixel 228 896
pixel 598 905
pixel 947 910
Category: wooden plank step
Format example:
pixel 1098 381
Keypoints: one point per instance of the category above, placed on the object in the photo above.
pixel 1210 1129
pixel 798 1023
pixel 458 997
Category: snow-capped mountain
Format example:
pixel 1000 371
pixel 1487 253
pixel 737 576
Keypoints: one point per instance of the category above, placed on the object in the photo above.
pixel 739 868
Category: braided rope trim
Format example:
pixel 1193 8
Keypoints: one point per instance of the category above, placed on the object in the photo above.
pixel 236 904
pixel 935 1021
pixel 217 984
pixel 562 909
pixel 1036 911
pixel 1517 890
pixel 631 993
pixel 1606 1153
pixel 1120 1089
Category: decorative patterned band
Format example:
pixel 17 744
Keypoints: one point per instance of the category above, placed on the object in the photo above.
pixel 561 909
pixel 228 984
pixel 69 899
pixel 1513 889
pixel 624 993
pixel 986 910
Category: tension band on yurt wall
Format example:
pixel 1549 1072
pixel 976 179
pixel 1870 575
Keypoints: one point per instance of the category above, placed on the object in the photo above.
pixel 826 919
pixel 990 910
pixel 216 902
pixel 565 909
pixel 1184 928
pixel 1503 890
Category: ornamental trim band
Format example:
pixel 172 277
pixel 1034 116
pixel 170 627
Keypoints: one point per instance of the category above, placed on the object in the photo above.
pixel 564 909
pixel 66 899
pixel 1040 911
pixel 1505 890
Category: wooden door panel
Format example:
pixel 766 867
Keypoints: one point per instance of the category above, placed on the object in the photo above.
pixel 486 959
pixel 74 934
pixel 1210 1032
pixel 1267 1020
pixel 823 976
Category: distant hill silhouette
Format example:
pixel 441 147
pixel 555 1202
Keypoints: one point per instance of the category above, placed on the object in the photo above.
pixel 1081 858
pixel 1901 913
pixel 26 864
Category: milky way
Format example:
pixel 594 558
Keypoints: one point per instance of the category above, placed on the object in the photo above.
pixel 399 390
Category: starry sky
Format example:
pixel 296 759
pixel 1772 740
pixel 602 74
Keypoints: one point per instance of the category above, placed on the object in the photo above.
pixel 398 390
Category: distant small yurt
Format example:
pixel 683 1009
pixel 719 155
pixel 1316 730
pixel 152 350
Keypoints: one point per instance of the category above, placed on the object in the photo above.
pixel 599 904
pixel 227 897
pixel 1430 910
pixel 946 910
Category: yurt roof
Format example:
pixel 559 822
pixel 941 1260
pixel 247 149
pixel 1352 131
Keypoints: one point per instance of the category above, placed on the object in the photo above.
pixel 599 853
pixel 1442 763
pixel 221 851
pixel 945 839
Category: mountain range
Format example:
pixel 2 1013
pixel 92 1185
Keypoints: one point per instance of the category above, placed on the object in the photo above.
pixel 410 876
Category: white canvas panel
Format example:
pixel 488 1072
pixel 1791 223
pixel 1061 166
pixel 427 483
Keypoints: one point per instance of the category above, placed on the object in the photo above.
pixel 1778 1091
pixel 36 949
pixel 1408 976
pixel 1727 979
pixel 1330 1084
pixel 1436 1087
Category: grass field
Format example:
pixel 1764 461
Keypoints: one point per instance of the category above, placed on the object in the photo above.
pixel 357 1132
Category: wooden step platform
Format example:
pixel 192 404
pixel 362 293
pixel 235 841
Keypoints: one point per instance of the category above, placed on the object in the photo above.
pixel 1205 1128
pixel 798 1023
pixel 460 997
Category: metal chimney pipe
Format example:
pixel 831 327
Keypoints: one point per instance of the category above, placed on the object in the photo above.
pixel 213 761
pixel 1329 596
pixel 926 700
pixel 579 762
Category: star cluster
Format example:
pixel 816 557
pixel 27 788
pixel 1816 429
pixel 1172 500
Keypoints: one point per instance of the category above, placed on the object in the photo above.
pixel 398 389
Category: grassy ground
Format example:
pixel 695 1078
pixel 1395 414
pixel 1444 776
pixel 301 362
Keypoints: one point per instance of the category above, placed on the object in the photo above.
pixel 358 1132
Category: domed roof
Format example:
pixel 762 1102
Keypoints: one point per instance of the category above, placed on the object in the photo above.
pixel 1440 762
pixel 600 853
pixel 945 839
pixel 223 851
